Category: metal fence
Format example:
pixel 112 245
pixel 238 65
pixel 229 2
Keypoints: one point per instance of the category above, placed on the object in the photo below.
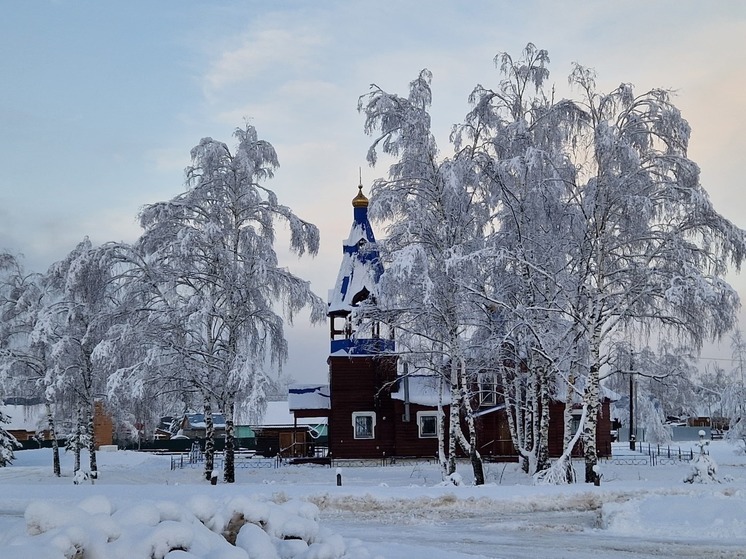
pixel 241 460
pixel 652 455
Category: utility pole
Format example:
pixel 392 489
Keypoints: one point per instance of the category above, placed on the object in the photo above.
pixel 632 436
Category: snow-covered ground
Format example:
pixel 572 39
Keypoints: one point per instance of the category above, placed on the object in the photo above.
pixel 140 508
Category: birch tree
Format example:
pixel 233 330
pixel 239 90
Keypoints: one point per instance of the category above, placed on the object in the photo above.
pixel 217 286
pixel 436 221
pixel 595 222
pixel 85 311
pixel 640 242
pixel 735 399
pixel 28 329
pixel 653 251
pixel 517 136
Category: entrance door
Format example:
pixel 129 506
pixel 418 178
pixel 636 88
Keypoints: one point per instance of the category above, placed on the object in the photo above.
pixel 293 444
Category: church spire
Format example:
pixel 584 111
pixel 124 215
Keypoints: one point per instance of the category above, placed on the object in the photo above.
pixel 357 281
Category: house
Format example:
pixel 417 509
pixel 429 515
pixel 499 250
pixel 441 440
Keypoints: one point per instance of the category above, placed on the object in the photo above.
pixel 375 408
pixel 28 419
pixel 29 423
pixel 193 426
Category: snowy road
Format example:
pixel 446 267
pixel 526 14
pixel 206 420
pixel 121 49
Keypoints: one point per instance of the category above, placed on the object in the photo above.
pixel 535 535
pixel 555 535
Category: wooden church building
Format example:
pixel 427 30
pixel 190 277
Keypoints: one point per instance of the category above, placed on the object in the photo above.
pixel 374 409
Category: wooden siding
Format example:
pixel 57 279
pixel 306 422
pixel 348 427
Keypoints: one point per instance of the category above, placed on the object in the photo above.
pixel 407 440
pixel 103 426
pixel 360 384
pixel 363 384
pixel 493 435
pixel 557 430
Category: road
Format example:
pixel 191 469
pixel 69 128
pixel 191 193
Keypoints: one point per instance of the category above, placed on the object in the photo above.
pixel 532 535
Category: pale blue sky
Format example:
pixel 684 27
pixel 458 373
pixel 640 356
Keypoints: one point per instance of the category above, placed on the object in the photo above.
pixel 101 102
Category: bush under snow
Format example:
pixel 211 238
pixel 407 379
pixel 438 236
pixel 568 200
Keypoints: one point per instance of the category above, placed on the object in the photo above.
pixel 233 528
pixel 704 469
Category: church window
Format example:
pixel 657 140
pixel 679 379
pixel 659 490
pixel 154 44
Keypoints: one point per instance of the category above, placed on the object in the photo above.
pixel 364 424
pixel 427 424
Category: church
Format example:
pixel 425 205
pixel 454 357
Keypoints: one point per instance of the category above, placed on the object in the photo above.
pixel 376 407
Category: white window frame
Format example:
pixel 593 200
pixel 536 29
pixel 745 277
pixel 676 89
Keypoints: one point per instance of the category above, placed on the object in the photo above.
pixel 575 422
pixel 487 389
pixel 361 414
pixel 420 416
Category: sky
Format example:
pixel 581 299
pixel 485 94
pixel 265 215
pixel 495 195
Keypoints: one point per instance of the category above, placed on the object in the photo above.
pixel 101 102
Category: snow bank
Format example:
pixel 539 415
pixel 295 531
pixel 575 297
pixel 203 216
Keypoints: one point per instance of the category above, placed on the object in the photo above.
pixel 717 516
pixel 241 527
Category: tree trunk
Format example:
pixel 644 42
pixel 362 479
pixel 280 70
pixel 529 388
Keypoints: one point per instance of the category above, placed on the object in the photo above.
pixel 532 413
pixel 513 403
pixel 521 400
pixel 91 444
pixel 453 420
pixel 592 402
pixel 568 435
pixel 229 473
pixel 542 449
pixel 78 442
pixel 55 445
pixel 209 440
pixel 476 459
pixel 441 430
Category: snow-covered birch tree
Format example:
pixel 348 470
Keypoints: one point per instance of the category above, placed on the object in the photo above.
pixel 653 251
pixel 215 284
pixel 436 222
pixel 85 311
pixel 517 137
pixel 28 329
pixel 595 221
pixel 734 405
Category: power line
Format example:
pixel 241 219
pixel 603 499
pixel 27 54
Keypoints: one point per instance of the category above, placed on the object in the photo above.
pixel 721 359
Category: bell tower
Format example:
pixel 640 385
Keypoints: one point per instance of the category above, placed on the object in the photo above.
pixel 362 364
pixel 357 283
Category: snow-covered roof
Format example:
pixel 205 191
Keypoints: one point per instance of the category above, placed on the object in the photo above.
pixel 609 394
pixel 423 390
pixel 24 418
pixel 278 414
pixel 560 394
pixel 309 397
pixel 197 420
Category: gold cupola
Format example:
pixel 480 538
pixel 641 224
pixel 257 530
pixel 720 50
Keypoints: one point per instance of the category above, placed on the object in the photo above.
pixel 360 201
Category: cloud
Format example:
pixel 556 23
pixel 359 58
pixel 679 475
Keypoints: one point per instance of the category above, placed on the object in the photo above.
pixel 291 105
pixel 172 159
pixel 261 51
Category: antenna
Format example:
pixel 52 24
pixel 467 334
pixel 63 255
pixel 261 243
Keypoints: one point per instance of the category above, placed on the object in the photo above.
pixel 360 170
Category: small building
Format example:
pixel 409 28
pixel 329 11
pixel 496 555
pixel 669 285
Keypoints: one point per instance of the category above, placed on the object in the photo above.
pixel 292 435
